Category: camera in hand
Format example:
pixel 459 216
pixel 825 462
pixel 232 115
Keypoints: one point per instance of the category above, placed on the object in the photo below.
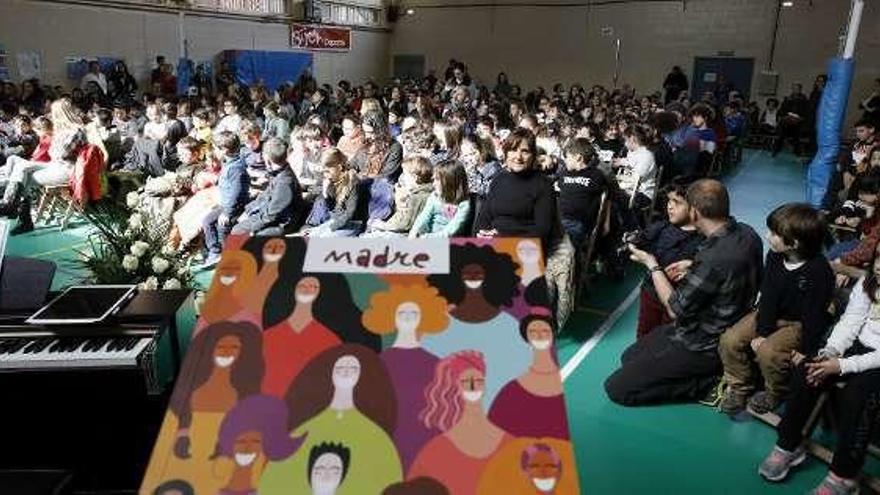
pixel 633 237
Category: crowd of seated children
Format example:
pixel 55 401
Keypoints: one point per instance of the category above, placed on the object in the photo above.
pixel 448 158
pixel 201 193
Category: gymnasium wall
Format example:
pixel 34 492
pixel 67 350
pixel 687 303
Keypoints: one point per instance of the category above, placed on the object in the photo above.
pixel 58 31
pixel 542 45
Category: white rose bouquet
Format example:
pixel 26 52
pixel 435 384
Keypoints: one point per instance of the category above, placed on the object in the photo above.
pixel 124 248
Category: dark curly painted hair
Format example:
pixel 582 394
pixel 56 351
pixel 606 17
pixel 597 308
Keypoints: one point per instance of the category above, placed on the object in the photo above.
pixel 500 286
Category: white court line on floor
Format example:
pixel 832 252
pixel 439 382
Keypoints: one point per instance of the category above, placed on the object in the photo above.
pixel 593 341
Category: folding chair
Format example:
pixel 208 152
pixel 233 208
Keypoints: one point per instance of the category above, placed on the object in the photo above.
pixel 587 252
pixel 86 184
pixel 56 205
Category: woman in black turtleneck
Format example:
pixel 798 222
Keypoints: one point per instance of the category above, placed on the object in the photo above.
pixel 520 202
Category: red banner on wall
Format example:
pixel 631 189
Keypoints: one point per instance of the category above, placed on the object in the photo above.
pixel 311 37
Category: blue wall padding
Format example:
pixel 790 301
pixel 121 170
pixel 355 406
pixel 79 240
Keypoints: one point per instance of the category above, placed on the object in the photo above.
pixel 829 127
pixel 272 68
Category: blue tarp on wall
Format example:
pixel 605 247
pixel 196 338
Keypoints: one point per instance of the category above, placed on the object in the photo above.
pixel 829 126
pixel 270 68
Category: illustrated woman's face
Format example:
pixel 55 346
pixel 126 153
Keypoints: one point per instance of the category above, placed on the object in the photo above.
pixel 472 384
pixel 307 290
pixel 247 447
pixel 228 272
pixel 407 317
pixel 326 473
pixel 226 351
pixel 473 276
pixel 543 471
pixel 346 372
pixel 540 335
pixel 274 250
pixel 528 252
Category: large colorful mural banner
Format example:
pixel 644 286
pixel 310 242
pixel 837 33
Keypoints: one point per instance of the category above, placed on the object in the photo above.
pixel 370 367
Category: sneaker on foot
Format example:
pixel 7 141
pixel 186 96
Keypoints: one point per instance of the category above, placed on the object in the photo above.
pixel 764 402
pixel 832 485
pixel 210 261
pixel 732 403
pixel 713 398
pixel 776 466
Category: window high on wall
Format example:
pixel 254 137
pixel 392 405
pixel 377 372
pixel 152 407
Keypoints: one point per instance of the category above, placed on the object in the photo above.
pixel 262 7
pixel 347 14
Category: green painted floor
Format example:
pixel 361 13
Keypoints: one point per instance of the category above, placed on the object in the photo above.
pixel 679 448
pixel 664 449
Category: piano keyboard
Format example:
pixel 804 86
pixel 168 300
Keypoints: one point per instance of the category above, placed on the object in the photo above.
pixel 47 352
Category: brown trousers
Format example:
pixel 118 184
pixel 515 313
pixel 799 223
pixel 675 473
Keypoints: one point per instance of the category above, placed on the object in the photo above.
pixel 773 356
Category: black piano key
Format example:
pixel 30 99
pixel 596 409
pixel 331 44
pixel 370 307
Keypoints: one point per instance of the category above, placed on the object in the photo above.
pixel 44 343
pixel 92 345
pixel 132 342
pixel 18 345
pixel 34 346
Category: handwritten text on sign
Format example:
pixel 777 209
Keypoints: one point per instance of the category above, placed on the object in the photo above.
pixel 328 255
pixel 311 37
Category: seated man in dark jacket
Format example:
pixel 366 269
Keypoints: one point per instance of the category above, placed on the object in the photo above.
pixel 279 206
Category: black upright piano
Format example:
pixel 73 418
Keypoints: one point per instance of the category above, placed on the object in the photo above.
pixel 81 405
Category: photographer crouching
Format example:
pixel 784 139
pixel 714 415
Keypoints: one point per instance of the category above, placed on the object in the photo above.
pixel 679 361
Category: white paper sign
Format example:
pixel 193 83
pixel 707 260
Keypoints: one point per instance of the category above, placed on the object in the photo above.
pixel 358 255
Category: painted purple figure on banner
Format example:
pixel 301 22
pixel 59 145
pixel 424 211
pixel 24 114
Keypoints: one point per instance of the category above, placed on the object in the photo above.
pixel 253 433
pixel 410 311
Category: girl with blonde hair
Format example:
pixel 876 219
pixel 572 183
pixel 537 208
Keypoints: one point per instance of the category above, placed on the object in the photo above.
pixel 21 175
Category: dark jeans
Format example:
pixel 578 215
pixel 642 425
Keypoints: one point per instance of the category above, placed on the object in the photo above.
pixel 657 369
pixel 576 231
pixel 215 235
pixel 857 405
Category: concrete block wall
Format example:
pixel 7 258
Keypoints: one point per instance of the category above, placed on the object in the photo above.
pixel 57 31
pixel 543 45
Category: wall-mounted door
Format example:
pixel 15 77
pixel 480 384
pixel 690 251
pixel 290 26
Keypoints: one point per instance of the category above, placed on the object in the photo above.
pixel 721 74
